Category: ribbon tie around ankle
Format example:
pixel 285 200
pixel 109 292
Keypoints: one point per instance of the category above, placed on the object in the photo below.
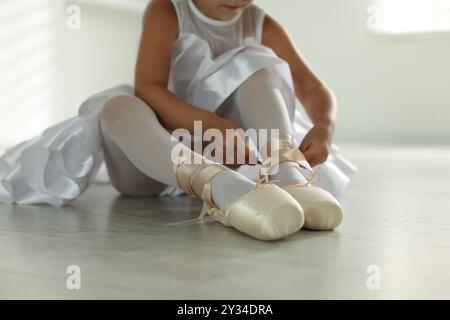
pixel 282 150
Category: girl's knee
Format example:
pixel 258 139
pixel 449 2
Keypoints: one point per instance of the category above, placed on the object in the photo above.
pixel 115 107
pixel 266 75
pixel 261 80
pixel 121 106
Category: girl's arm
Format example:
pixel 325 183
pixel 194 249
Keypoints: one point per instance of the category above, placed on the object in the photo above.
pixel 318 100
pixel 159 33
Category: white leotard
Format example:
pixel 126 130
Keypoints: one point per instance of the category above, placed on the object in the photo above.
pixel 221 36
pixel 212 58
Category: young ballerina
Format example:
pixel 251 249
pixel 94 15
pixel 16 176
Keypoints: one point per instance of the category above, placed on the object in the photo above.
pixel 228 65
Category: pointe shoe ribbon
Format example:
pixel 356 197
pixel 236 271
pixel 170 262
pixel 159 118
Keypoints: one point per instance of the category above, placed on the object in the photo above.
pixel 282 150
pixel 198 185
pixel 207 192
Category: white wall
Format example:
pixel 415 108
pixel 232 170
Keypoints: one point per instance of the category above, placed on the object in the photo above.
pixel 389 89
pixel 47 70
pixel 27 69
pixel 392 89
pixel 99 55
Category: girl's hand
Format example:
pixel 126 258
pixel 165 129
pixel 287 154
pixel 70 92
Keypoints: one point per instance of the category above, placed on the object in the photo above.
pixel 316 145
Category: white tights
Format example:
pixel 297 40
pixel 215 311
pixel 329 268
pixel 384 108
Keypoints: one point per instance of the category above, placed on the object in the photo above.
pixel 137 148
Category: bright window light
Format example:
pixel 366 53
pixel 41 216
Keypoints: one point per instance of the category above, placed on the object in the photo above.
pixel 26 69
pixel 410 16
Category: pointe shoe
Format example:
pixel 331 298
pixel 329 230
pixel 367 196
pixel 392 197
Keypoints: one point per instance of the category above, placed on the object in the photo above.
pixel 266 212
pixel 322 211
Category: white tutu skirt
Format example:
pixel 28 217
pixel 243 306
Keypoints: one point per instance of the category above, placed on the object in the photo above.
pixel 57 166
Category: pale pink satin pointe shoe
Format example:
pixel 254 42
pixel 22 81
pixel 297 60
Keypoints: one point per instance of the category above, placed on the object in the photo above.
pixel 322 211
pixel 266 212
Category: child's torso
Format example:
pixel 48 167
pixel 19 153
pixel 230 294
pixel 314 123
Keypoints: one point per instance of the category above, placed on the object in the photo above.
pixel 221 36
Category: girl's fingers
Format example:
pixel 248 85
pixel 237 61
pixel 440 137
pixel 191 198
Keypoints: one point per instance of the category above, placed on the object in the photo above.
pixel 306 144
pixel 310 156
pixel 306 147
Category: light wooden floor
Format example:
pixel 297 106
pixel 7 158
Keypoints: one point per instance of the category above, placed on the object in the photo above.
pixel 397 218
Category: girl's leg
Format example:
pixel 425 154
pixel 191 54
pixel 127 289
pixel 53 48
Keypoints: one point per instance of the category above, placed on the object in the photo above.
pixel 139 149
pixel 124 175
pixel 255 105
